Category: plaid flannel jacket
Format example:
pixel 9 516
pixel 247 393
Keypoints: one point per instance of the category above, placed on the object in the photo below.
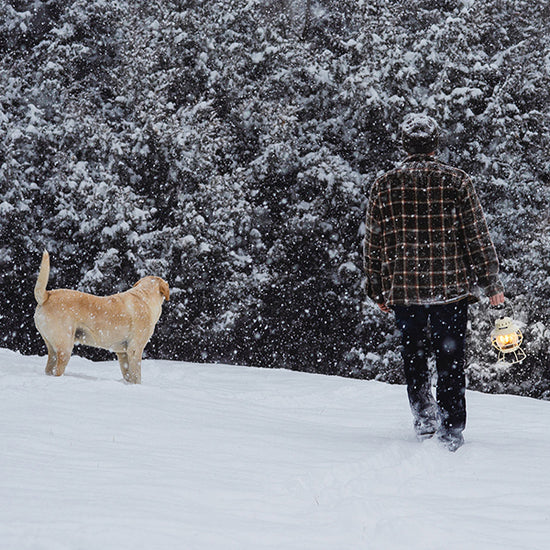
pixel 426 239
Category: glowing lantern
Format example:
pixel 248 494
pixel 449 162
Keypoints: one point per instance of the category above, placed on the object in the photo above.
pixel 507 338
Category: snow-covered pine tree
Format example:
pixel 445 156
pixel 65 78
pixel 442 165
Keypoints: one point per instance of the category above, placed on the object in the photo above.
pixel 230 146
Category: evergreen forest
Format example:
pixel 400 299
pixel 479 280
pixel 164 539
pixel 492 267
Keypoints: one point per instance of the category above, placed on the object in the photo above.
pixel 228 146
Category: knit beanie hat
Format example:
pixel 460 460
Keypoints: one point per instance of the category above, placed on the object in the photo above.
pixel 419 134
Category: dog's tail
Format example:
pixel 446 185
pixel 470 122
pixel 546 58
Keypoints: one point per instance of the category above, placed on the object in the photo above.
pixel 40 292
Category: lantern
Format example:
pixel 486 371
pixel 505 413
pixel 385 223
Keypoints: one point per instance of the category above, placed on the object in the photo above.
pixel 507 338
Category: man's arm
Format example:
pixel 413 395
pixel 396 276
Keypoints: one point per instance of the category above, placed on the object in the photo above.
pixel 481 251
pixel 372 248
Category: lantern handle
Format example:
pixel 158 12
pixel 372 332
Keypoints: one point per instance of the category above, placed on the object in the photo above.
pixel 501 311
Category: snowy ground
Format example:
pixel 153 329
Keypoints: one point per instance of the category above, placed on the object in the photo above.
pixel 218 457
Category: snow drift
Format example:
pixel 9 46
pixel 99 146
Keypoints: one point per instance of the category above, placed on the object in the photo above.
pixel 224 457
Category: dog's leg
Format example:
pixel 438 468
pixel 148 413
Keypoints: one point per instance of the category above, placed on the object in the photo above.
pixel 62 359
pixel 52 358
pixel 134 366
pixel 52 361
pixel 124 364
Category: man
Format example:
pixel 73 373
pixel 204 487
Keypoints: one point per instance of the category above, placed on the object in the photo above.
pixel 426 244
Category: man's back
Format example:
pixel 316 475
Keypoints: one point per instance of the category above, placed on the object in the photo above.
pixel 430 231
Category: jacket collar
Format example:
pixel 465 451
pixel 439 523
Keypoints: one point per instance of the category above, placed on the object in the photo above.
pixel 421 158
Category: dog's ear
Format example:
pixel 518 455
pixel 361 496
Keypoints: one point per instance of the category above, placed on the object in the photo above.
pixel 164 289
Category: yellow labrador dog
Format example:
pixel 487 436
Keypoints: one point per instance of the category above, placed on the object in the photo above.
pixel 122 323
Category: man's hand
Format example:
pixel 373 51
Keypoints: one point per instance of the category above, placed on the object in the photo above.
pixel 384 308
pixel 497 299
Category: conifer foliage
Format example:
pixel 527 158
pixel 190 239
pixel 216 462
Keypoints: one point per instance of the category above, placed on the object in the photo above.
pixel 228 146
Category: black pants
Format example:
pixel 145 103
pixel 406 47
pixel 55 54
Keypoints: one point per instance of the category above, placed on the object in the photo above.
pixel 447 332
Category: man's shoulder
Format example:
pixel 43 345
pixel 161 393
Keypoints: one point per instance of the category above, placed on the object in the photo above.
pixel 424 164
pixel 390 174
pixel 443 167
pixel 385 180
pixel 412 166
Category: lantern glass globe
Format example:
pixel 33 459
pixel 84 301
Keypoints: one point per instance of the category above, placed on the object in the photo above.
pixel 506 337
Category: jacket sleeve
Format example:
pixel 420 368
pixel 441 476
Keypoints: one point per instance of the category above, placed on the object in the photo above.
pixel 480 250
pixel 372 247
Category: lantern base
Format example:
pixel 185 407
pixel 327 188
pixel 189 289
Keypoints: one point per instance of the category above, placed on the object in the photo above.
pixel 512 357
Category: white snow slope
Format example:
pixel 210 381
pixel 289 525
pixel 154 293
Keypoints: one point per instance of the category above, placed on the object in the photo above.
pixel 221 457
